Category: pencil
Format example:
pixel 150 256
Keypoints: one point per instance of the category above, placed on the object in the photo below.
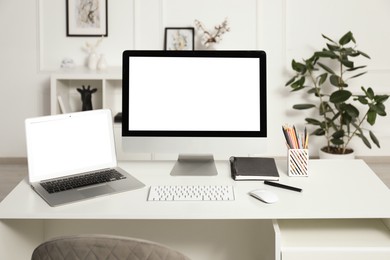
pixel 295 139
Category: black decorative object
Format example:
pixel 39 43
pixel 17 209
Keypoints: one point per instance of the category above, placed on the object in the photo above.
pixel 118 118
pixel 86 97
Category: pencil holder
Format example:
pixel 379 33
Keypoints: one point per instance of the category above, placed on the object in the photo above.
pixel 298 162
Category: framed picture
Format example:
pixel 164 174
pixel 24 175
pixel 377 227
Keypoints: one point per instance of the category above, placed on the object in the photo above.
pixel 179 39
pixel 86 18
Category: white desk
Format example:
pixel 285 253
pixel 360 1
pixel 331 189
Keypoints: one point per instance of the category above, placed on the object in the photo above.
pixel 243 229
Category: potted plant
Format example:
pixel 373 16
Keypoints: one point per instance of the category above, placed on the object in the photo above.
pixel 342 110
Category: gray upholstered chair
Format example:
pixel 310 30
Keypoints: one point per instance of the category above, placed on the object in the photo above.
pixel 96 247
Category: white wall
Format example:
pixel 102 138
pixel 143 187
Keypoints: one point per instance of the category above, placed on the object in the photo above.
pixel 33 43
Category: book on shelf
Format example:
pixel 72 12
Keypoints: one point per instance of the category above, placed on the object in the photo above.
pixel 64 106
pixel 253 168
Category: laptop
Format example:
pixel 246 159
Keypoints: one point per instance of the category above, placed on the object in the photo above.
pixel 72 157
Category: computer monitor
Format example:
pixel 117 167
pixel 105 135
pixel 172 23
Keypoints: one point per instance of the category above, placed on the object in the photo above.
pixel 195 104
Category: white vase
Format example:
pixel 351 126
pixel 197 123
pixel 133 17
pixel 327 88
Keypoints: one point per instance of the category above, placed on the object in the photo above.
pixel 92 61
pixel 324 155
pixel 211 46
pixel 102 63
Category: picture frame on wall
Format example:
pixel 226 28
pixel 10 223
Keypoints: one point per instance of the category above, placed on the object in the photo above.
pixel 86 18
pixel 179 39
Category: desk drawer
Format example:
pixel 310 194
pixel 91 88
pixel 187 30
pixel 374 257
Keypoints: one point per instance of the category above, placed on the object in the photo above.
pixel 335 255
pixel 357 239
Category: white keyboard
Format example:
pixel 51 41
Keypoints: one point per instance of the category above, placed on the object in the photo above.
pixel 191 193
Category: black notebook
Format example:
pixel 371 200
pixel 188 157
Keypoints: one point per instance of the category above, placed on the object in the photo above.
pixel 253 168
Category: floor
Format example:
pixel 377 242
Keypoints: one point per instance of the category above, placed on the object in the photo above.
pixel 12 174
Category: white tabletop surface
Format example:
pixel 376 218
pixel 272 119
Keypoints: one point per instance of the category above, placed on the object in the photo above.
pixel 334 189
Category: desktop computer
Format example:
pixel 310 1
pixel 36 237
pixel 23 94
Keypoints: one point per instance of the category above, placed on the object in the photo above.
pixel 195 104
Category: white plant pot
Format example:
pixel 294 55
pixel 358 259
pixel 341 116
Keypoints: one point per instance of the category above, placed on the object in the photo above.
pixel 324 155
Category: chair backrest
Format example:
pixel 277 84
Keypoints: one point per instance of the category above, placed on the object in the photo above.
pixel 96 247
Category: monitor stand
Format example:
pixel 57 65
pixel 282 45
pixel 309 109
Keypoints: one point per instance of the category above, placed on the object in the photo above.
pixel 194 165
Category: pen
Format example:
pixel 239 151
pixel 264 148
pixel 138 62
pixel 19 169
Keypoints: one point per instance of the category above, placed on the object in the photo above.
pixel 283 186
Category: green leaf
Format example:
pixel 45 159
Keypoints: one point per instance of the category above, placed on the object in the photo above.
pixel 338 134
pixel 347 63
pixel 337 141
pixel 362 100
pixel 358 75
pixel 364 54
pixel 374 139
pixel 380 109
pixel 340 96
pixel 329 39
pixel 303 106
pixel 297 88
pixel 298 67
pixel 353 39
pixel 365 91
pixel 370 93
pixel 336 81
pixel 346 38
pixel 357 127
pixel 326 68
pixel 312 91
pixel 354 54
pixel 326 54
pixel 312 121
pixel 311 61
pixel 318 132
pixel 381 98
pixel 290 81
pixel 333 47
pixel 371 116
pixel 346 119
pixel 365 140
pixel 323 78
pixel 350 110
pixel 299 83
pixel 333 119
pixel 356 68
pixel 349 52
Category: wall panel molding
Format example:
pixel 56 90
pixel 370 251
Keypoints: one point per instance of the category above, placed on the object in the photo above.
pixel 311 21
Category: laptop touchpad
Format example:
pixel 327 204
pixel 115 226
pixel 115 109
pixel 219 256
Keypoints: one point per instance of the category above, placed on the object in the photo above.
pixel 96 191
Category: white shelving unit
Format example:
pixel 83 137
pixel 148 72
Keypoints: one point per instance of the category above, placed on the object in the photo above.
pixel 64 84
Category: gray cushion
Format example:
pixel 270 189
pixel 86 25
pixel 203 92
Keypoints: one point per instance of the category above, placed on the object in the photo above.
pixel 96 247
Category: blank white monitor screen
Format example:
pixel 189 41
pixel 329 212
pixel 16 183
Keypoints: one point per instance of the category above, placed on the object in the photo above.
pixel 194 94
pixel 194 101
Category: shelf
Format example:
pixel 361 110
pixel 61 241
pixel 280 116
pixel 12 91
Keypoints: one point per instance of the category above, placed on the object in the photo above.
pixel 85 73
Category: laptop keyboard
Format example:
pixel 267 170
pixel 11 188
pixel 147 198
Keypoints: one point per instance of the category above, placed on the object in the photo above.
pixel 79 181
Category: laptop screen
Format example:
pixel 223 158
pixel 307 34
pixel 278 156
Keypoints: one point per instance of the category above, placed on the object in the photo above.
pixel 67 144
